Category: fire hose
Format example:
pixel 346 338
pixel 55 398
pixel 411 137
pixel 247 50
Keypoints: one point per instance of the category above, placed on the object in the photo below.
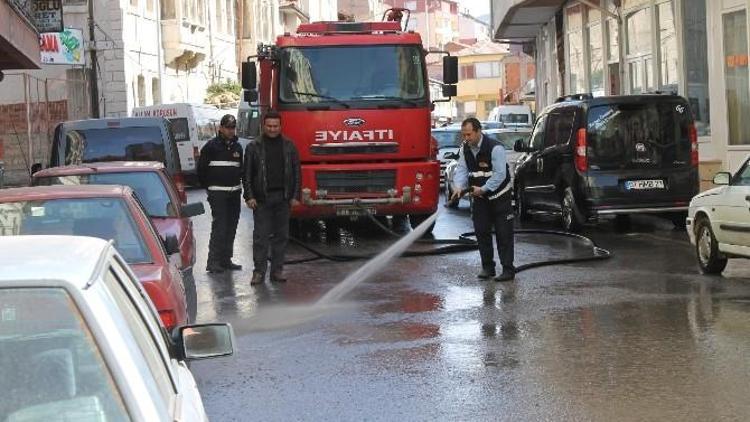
pixel 464 243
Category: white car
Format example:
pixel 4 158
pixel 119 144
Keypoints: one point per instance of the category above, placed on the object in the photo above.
pixel 718 221
pixel 80 340
pixel 507 136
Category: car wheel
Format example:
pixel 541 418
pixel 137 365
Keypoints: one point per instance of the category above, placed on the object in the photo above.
pixel 191 295
pixel 521 207
pixel 417 219
pixel 570 215
pixel 707 249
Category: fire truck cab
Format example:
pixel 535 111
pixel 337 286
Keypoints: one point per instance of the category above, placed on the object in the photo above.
pixel 355 99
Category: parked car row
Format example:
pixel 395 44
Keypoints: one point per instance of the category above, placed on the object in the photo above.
pixel 104 245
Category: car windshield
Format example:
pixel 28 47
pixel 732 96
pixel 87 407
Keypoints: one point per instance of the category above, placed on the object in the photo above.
pixel 643 135
pixel 509 139
pixel 447 138
pixel 374 73
pixel 514 118
pixel 105 218
pixel 743 177
pixel 148 186
pixel 248 123
pixel 52 368
pixel 114 144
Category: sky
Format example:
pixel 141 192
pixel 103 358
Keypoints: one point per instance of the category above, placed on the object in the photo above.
pixel 477 7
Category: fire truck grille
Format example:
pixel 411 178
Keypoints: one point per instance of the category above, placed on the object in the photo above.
pixel 349 149
pixel 342 182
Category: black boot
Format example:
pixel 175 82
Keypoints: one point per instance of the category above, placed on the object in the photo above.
pixel 486 273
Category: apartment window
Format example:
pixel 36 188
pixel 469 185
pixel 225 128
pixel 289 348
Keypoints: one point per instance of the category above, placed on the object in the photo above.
pixel 467 71
pixel 489 105
pixel 155 91
pixel 667 46
pixel 696 62
pixel 229 12
pixel 218 15
pixel 736 76
pixel 596 52
pixel 486 70
pixel 575 49
pixel 168 10
pixel 141 91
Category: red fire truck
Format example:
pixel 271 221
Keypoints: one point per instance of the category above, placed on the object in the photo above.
pixel 355 99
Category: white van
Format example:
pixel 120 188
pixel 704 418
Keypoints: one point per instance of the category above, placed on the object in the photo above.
pixel 512 115
pixel 192 126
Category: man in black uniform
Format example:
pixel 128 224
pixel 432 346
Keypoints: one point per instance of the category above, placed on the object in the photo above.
pixel 220 172
pixel 272 186
pixel 483 172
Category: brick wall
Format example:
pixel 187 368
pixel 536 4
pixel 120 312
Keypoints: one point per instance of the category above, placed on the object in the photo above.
pixel 14 136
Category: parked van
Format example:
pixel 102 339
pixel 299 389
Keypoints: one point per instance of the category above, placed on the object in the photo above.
pixel 512 115
pixel 590 157
pixel 192 125
pixel 118 139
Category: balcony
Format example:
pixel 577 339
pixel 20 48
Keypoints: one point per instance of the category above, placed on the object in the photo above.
pixel 185 35
pixel 19 39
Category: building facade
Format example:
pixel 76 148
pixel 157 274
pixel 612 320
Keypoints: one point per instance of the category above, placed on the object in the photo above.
pixel 435 20
pixel 696 48
pixel 361 10
pixel 481 79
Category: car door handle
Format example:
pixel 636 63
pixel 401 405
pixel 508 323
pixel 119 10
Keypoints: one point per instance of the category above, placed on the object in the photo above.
pixel 539 165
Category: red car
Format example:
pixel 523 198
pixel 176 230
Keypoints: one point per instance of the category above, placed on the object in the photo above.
pixel 110 213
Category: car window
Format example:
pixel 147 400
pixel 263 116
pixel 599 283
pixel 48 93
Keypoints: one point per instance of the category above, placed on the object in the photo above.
pixel 743 176
pixel 51 366
pixel 143 332
pixel 448 138
pixel 559 129
pixel 148 185
pixel 537 136
pixel 509 139
pixel 114 144
pixel 105 218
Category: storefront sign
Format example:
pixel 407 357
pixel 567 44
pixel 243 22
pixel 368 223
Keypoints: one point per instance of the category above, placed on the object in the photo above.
pixel 48 15
pixel 64 47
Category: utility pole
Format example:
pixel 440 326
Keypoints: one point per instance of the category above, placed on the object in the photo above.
pixel 94 88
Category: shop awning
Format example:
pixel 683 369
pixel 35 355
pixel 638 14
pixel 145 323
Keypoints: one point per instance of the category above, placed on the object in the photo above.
pixel 518 21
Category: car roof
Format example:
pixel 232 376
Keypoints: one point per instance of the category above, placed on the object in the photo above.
pixel 113 123
pixel 73 259
pixel 102 167
pixel 64 191
pixel 616 99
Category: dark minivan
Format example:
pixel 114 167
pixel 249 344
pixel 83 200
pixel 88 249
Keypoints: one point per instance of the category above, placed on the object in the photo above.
pixel 118 139
pixel 589 157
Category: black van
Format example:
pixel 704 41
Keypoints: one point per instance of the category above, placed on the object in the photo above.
pixel 589 157
pixel 118 139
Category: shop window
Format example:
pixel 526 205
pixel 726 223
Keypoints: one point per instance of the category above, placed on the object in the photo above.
pixel 736 77
pixel 695 41
pixel 639 51
pixel 596 53
pixel 576 60
pixel 667 47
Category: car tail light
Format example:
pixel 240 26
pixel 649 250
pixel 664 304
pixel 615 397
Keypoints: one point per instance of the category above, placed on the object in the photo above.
pixel 581 159
pixel 179 184
pixel 693 135
pixel 168 318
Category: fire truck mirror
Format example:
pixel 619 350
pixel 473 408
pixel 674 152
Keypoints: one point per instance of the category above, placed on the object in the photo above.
pixel 250 96
pixel 249 76
pixel 450 70
pixel 449 91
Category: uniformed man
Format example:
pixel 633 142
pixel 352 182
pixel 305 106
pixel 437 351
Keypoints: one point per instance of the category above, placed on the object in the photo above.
pixel 483 172
pixel 220 172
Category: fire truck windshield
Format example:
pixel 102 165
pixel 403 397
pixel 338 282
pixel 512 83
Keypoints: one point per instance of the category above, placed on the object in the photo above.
pixel 379 73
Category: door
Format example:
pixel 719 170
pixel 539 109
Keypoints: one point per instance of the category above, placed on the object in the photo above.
pixel 529 173
pixel 556 154
pixel 733 212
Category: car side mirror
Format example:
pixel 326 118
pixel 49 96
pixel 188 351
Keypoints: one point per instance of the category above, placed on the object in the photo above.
pixel 194 209
pixel 171 245
pixel 450 70
pixel 249 76
pixel 722 178
pixel 205 341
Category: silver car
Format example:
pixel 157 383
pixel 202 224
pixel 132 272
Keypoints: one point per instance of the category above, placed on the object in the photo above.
pixel 80 340
pixel 506 136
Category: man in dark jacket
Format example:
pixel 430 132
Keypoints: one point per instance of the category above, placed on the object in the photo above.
pixel 272 186
pixel 220 172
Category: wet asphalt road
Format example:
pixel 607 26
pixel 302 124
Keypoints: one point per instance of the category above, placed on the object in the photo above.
pixel 642 336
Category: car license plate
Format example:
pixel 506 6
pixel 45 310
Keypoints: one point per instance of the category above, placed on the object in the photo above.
pixel 355 212
pixel 644 184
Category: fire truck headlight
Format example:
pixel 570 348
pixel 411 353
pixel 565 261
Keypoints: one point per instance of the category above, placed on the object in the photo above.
pixel 417 188
pixel 420 177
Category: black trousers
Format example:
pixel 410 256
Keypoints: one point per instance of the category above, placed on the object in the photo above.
pixel 271 232
pixel 498 215
pixel 225 214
